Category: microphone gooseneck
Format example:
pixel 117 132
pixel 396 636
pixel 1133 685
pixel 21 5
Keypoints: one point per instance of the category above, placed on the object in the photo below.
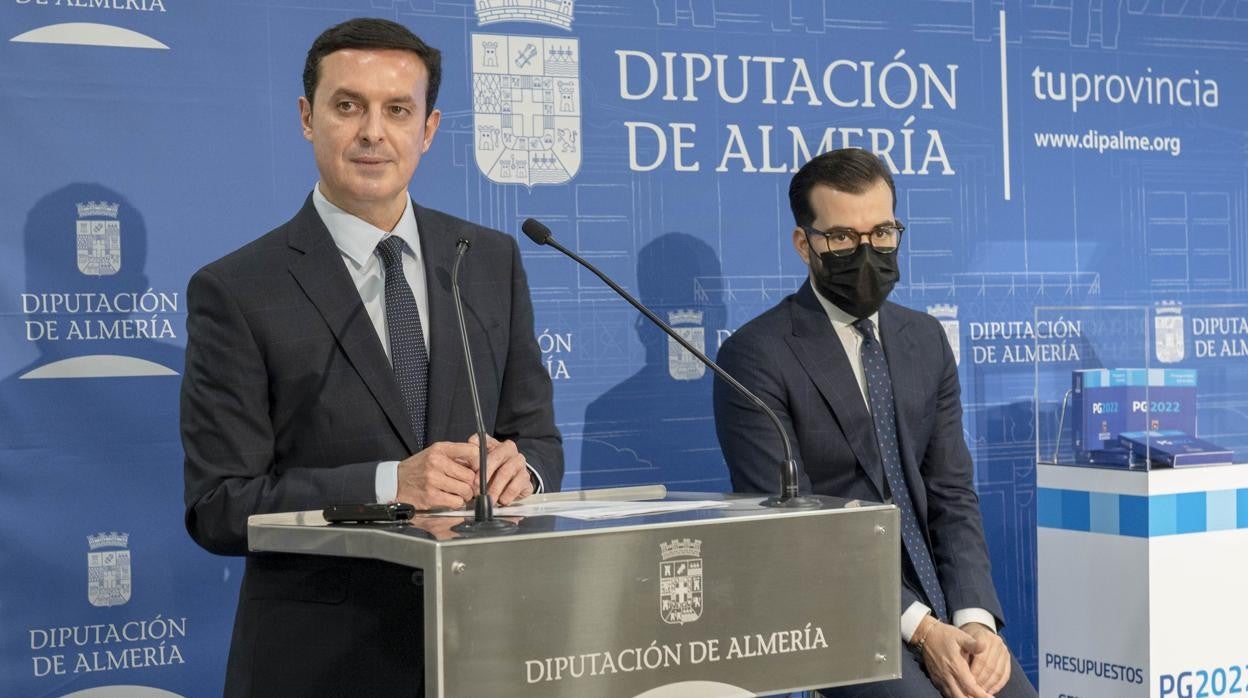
pixel 483 515
pixel 788 497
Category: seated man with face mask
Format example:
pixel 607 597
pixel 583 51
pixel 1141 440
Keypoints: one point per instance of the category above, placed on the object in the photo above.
pixel 868 391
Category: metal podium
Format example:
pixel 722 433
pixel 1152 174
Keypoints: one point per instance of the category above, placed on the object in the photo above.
pixel 731 601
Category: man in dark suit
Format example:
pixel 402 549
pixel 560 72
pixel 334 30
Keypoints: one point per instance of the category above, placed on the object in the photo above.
pixel 868 390
pixel 324 366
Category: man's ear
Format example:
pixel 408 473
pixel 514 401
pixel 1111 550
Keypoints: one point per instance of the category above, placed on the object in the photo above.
pixel 431 127
pixel 801 244
pixel 305 117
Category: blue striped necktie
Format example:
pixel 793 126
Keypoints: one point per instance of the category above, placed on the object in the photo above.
pixel 407 343
pixel 880 394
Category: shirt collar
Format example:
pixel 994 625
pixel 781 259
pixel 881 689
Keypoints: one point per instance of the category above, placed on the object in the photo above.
pixel 357 238
pixel 840 319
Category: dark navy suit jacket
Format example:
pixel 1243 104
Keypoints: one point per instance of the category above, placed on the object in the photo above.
pixel 289 402
pixel 791 357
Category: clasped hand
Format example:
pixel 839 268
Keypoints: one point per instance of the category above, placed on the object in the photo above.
pixel 967 662
pixel 446 474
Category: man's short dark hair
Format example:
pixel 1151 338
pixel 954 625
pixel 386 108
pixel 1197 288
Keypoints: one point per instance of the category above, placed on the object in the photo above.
pixel 372 34
pixel 850 170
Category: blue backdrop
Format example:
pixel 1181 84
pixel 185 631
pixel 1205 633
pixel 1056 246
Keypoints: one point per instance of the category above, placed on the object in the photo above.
pixel 1047 153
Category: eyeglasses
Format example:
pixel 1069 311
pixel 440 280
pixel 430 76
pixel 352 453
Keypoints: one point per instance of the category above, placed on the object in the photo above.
pixel 843 242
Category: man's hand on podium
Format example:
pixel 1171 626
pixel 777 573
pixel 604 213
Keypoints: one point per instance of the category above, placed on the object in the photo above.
pixel 443 476
pixel 508 471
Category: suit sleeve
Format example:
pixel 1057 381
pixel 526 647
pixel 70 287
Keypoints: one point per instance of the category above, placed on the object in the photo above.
pixel 230 467
pixel 954 521
pixel 526 412
pixel 747 437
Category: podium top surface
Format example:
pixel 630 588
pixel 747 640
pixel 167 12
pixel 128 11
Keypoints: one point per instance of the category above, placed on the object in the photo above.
pixel 308 532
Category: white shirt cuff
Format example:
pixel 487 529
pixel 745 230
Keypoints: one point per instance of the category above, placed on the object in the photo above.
pixel 974 615
pixel 914 615
pixel 386 481
pixel 537 477
pixel 911 618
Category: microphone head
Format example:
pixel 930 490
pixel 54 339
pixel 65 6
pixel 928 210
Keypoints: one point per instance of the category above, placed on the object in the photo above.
pixel 536 230
pixel 462 244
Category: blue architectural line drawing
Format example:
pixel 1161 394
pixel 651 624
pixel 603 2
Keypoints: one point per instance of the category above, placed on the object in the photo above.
pixel 749 289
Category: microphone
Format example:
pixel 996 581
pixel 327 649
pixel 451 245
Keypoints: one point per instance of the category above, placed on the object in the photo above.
pixel 788 497
pixel 483 521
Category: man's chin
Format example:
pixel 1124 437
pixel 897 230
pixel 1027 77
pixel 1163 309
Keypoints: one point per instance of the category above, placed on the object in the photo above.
pixel 373 190
pixel 365 194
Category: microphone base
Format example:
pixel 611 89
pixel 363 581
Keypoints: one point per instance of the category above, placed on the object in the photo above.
pixel 789 497
pixel 798 502
pixel 489 527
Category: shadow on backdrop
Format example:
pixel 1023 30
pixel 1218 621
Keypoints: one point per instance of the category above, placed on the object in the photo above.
pixel 657 426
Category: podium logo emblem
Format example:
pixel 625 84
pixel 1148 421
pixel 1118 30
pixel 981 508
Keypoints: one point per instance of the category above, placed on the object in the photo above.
pixel 99 238
pixel 948 316
pixel 680 581
pixel 682 365
pixel 108 569
pixel 1168 332
pixel 526 104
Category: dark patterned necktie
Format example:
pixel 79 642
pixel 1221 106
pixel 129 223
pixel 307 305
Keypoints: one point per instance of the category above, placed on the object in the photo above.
pixel 880 393
pixel 407 342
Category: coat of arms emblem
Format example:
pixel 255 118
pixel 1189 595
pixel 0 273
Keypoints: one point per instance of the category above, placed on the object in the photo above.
pixel 681 364
pixel 108 569
pixel 1168 332
pixel 526 103
pixel 948 316
pixel 99 238
pixel 680 581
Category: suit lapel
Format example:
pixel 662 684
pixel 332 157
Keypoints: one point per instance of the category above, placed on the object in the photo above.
pixel 902 355
pixel 819 350
pixel 446 363
pixel 322 275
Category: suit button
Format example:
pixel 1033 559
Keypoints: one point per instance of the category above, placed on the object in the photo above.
pixel 418 577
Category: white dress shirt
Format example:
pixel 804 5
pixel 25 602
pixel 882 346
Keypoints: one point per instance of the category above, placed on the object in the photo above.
pixel 357 240
pixel 851 340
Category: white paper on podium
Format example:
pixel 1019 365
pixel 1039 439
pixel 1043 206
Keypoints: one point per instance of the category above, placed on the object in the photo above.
pixel 619 510
pixel 593 511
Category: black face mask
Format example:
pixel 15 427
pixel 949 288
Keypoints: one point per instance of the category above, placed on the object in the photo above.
pixel 859 283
